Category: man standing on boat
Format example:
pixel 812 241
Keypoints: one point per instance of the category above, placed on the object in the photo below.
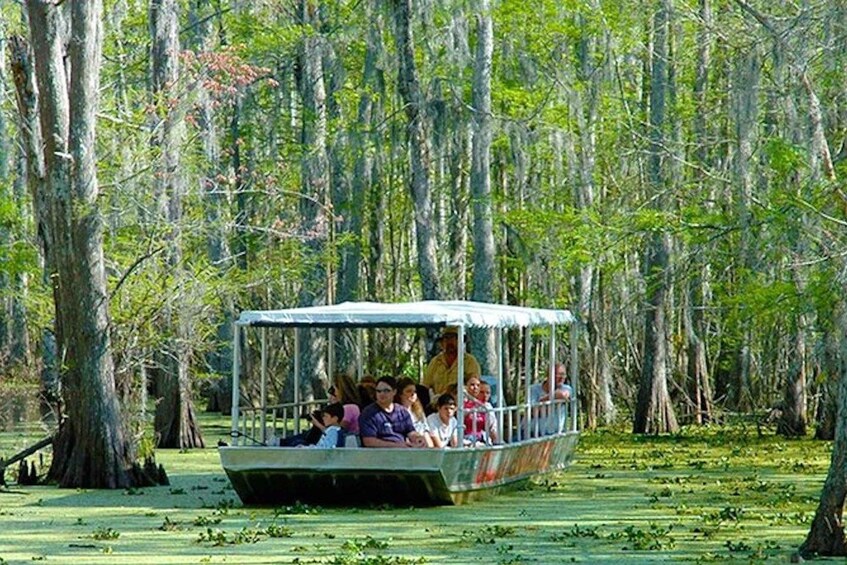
pixel 386 424
pixel 442 369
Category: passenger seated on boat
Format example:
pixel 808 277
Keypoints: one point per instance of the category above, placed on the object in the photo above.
pixel 386 424
pixel 347 390
pixel 442 423
pixel 349 423
pixel 443 368
pixel 551 419
pixel 333 435
pixel 367 394
pixel 477 415
pixel 407 396
pixel 344 390
pixel 485 399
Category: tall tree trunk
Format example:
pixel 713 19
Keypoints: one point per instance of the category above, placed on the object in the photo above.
pixel 315 225
pixel 483 225
pixel 31 174
pixel 409 87
pixel 585 99
pixel 175 423
pixel 347 205
pixel 91 448
pixel 793 420
pixel 699 384
pixel 31 170
pixel 746 110
pixel 219 358
pixel 826 534
pixel 654 412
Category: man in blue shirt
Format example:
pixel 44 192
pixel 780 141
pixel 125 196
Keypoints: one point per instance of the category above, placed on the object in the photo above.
pixel 386 424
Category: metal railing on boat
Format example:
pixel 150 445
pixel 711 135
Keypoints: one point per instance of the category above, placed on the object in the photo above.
pixel 514 423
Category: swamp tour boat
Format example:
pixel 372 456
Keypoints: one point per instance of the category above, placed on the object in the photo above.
pixel 264 474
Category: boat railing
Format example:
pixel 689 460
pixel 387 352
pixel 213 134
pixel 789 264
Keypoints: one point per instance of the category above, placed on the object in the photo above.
pixel 514 423
pixel 276 421
pixel 521 422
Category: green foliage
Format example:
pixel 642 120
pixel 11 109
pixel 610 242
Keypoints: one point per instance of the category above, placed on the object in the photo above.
pixel 359 552
pixel 206 521
pixel 784 159
pixel 279 531
pixel 170 525
pixel 105 533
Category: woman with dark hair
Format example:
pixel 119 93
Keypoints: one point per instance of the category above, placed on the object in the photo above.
pixel 407 396
pixel 344 391
pixel 367 390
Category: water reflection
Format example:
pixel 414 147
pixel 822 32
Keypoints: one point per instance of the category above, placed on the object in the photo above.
pixel 18 406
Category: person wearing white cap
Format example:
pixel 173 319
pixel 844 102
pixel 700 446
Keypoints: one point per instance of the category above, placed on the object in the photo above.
pixel 442 369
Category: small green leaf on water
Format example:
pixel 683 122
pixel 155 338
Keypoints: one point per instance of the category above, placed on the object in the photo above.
pixel 103 533
pixel 204 521
pixel 170 526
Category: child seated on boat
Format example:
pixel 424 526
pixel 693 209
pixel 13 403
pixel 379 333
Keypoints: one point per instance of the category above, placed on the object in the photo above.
pixel 478 431
pixel 333 435
pixel 349 422
pixel 442 423
pixel 386 424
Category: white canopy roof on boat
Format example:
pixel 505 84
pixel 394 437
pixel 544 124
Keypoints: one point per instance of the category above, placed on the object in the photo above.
pixel 408 314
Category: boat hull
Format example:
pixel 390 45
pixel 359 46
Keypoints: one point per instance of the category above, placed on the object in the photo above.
pixel 350 476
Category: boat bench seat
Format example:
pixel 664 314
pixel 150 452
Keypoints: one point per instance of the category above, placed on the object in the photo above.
pixel 352 440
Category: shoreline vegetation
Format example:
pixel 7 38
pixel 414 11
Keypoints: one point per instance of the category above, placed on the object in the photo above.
pixel 729 494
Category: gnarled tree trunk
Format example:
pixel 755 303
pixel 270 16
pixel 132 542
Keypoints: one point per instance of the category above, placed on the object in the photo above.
pixel 654 412
pixel 175 422
pixel 92 448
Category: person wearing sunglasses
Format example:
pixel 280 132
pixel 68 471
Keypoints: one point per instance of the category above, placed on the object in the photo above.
pixel 386 424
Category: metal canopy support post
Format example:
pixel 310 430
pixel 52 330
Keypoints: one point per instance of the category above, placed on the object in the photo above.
pixel 574 367
pixel 330 353
pixel 499 338
pixel 297 380
pixel 264 385
pixel 553 408
pixel 527 378
pixel 360 370
pixel 236 369
pixel 460 377
pixel 551 363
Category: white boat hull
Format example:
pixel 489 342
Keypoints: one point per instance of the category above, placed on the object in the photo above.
pixel 284 475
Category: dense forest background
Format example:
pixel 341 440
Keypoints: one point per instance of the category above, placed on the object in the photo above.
pixel 668 169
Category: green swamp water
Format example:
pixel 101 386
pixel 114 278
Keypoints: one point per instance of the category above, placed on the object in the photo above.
pixel 724 495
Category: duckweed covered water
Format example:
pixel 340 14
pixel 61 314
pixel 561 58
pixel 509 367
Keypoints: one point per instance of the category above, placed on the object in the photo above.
pixel 726 495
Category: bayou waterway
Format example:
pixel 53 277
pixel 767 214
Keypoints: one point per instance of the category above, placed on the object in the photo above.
pixel 722 494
